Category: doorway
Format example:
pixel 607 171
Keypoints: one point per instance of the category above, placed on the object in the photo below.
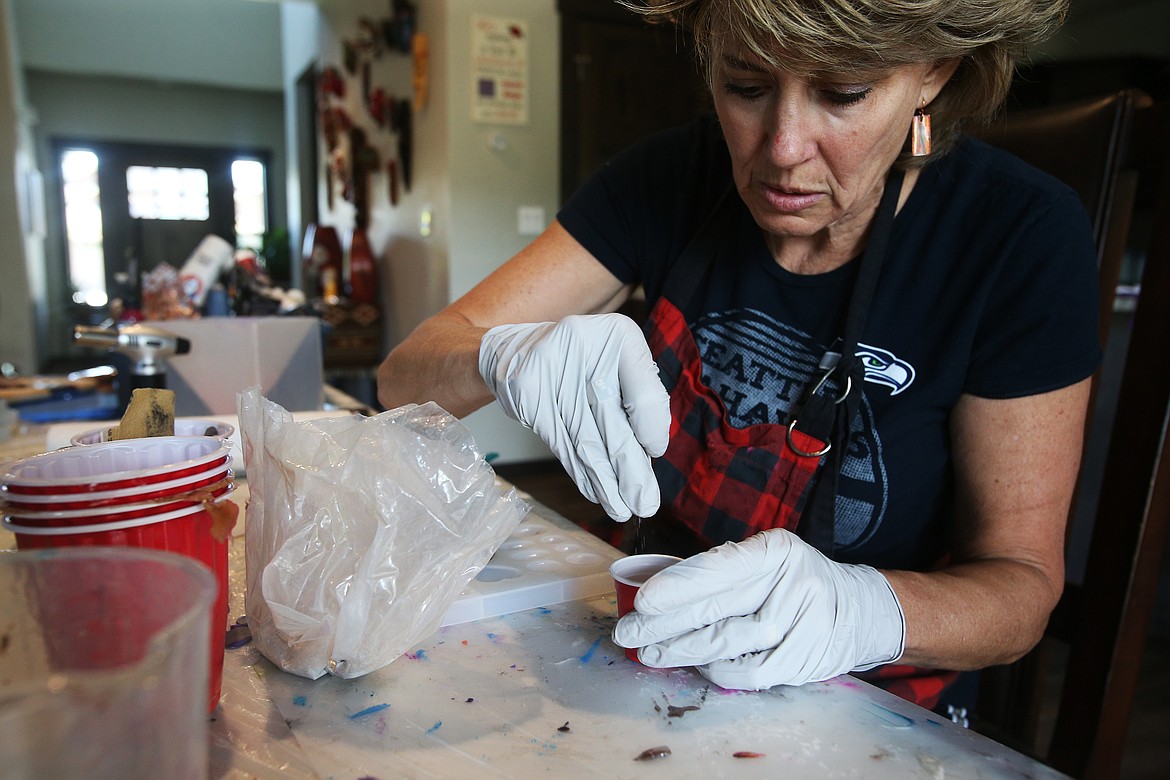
pixel 622 79
pixel 127 208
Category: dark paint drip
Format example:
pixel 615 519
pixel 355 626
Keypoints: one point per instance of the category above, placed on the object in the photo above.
pixel 674 711
pixel 236 637
pixel 649 754
pixel 747 754
pixel 564 728
pixel 639 536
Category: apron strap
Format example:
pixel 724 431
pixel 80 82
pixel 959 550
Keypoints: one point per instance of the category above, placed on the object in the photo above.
pixel 828 417
pixel 685 279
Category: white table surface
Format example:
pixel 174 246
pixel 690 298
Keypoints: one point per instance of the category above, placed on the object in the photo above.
pixel 545 692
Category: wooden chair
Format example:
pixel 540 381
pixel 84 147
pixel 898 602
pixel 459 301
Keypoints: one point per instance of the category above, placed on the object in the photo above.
pixel 1115 152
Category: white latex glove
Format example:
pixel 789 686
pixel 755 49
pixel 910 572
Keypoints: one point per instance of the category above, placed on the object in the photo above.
pixel 770 610
pixel 588 386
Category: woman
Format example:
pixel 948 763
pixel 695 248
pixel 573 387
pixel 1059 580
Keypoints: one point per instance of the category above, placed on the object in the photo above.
pixel 876 354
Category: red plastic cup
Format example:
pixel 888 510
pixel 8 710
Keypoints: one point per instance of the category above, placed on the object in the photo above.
pixel 113 500
pixel 187 531
pixel 629 574
pixel 182 428
pixel 95 516
pixel 115 465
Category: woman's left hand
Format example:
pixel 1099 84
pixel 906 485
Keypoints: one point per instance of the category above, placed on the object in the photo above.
pixel 770 610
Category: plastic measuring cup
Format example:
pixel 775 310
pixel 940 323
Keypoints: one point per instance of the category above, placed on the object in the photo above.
pixel 105 667
pixel 187 531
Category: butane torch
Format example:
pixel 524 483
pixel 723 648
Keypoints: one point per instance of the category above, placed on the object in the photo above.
pixel 147 346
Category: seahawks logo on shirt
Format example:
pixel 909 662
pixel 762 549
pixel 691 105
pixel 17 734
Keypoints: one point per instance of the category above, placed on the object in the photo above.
pixel 760 368
pixel 881 367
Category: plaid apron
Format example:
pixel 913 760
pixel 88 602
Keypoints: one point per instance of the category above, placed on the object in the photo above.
pixel 726 483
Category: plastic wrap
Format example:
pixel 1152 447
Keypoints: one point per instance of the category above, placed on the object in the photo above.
pixel 360 532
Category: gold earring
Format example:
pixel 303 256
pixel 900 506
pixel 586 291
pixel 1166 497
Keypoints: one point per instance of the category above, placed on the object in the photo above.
pixel 920 132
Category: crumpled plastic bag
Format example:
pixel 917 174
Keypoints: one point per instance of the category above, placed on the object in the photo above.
pixel 361 531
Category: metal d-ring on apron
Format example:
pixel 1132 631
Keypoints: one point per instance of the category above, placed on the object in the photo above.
pixel 828 364
pixel 829 418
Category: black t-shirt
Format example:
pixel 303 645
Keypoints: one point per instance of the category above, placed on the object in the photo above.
pixel 989 287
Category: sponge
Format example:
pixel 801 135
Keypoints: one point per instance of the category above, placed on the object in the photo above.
pixel 151 412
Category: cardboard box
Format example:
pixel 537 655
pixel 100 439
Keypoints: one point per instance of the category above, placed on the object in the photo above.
pixel 230 354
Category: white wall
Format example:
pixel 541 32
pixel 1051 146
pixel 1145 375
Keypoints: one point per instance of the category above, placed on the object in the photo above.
pixel 21 259
pixel 136 110
pixel 225 43
pixel 299 25
pixel 496 169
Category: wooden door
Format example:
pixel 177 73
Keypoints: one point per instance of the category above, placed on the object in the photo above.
pixel 622 79
pixel 155 241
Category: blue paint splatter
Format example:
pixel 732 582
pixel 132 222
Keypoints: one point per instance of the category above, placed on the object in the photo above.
pixel 300 701
pixel 588 656
pixel 369 711
pixel 544 611
pixel 491 636
pixel 417 655
pixel 435 727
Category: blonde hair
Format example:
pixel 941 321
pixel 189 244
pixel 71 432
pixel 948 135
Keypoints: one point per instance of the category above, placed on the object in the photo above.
pixel 988 37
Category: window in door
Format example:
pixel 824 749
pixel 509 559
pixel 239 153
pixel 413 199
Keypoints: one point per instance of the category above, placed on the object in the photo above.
pixel 251 198
pixel 83 226
pixel 129 208
pixel 167 193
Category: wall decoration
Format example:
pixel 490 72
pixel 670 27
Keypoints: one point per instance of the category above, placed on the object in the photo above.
pixel 381 108
pixel 499 70
pixel 402 123
pixel 357 145
pixel 392 182
pixel 421 76
pixel 331 82
pixel 399 29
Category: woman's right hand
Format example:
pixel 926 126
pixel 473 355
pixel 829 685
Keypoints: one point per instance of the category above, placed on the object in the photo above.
pixel 588 386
